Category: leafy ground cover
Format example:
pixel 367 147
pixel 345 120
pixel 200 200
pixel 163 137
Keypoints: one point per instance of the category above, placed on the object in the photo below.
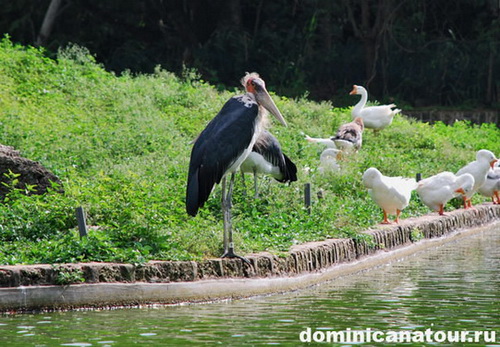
pixel 121 146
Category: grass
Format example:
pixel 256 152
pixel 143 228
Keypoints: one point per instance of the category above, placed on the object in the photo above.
pixel 121 146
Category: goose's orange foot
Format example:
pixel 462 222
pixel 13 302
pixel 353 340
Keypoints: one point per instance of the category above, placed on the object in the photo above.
pixel 441 210
pixel 385 221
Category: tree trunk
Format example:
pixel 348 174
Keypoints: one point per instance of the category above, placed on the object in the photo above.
pixel 369 28
pixel 232 16
pixel 48 22
pixel 489 80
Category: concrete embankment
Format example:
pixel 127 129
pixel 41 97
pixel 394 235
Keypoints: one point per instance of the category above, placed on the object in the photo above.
pixel 34 287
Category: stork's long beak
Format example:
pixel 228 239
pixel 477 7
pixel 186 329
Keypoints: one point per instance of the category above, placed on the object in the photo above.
pixel 354 90
pixel 264 99
pixel 492 163
pixel 460 190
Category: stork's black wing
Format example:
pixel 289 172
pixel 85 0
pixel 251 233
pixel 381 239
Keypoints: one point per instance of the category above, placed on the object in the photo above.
pixel 290 173
pixel 217 148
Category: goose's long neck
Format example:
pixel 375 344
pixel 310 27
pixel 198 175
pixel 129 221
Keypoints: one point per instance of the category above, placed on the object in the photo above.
pixel 362 102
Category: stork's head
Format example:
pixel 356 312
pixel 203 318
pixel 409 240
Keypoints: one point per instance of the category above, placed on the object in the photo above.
pixel 255 85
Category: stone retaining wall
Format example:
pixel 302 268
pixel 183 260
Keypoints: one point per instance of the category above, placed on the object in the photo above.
pixel 309 257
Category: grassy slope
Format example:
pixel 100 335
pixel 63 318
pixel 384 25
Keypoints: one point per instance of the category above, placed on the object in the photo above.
pixel 121 147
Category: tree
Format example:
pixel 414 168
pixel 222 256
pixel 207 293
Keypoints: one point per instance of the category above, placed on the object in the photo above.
pixel 370 20
pixel 48 22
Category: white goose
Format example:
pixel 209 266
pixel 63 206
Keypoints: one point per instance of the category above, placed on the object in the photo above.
pixel 391 194
pixel 437 190
pixel 491 187
pixel 328 160
pixel 374 117
pixel 479 170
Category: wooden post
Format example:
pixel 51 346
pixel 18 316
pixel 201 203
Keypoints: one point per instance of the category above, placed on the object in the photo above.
pixel 82 225
pixel 307 197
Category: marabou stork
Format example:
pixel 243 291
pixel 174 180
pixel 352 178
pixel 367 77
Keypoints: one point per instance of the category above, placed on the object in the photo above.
pixel 267 158
pixel 224 145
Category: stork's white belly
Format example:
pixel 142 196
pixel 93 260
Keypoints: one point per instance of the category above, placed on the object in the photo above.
pixel 235 166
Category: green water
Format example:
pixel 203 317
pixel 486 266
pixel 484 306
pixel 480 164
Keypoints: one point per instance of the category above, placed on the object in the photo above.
pixel 452 287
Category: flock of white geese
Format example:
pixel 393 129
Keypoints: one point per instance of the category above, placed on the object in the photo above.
pixel 392 194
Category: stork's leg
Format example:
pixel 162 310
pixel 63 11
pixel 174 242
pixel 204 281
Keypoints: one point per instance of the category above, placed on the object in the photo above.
pixel 227 215
pixel 228 231
pixel 255 186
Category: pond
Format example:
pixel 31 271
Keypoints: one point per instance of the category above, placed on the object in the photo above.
pixel 452 287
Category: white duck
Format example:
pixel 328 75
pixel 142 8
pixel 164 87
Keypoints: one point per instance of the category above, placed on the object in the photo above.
pixel 437 190
pixel 491 187
pixel 328 160
pixel 391 194
pixel 374 117
pixel 479 170
pixel 350 135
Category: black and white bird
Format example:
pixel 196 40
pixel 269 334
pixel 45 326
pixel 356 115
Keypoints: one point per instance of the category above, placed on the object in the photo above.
pixel 224 145
pixel 350 135
pixel 267 158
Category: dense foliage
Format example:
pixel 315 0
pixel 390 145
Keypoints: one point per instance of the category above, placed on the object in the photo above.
pixel 121 147
pixel 425 52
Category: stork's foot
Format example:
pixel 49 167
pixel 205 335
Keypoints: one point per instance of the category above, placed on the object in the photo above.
pixel 230 254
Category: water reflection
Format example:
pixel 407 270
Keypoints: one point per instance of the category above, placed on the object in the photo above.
pixel 453 287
